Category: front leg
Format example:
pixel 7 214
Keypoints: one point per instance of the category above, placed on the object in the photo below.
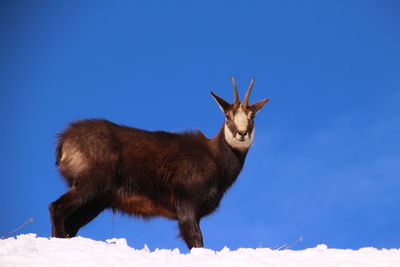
pixel 189 226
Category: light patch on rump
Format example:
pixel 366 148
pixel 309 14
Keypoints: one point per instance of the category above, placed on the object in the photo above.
pixel 72 160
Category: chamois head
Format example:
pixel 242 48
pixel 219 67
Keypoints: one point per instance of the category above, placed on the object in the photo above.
pixel 239 122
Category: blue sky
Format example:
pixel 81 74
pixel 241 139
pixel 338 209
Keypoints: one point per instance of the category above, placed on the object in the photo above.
pixel 325 164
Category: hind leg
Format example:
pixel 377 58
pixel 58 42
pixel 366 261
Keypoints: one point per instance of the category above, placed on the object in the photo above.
pixel 82 216
pixel 63 207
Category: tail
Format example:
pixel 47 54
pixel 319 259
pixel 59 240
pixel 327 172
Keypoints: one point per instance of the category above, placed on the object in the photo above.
pixel 58 152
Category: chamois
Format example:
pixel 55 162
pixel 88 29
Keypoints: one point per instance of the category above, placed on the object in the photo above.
pixel 180 176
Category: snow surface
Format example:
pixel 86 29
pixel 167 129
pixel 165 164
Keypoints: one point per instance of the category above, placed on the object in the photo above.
pixel 29 250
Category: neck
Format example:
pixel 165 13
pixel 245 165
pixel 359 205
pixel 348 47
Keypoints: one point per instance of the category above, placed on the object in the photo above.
pixel 230 160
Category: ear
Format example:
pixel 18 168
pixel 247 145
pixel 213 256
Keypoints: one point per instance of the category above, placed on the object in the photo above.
pixel 223 105
pixel 258 105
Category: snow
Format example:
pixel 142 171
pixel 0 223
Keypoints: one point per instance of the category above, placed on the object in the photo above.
pixel 30 250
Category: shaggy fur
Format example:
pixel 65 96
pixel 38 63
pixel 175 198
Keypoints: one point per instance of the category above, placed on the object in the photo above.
pixel 177 176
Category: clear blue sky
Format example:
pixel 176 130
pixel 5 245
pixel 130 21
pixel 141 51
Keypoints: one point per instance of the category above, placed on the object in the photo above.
pixel 325 163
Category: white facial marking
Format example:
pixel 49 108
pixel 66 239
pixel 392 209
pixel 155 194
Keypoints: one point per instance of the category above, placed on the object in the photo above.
pixel 236 143
pixel 241 123
pixel 240 120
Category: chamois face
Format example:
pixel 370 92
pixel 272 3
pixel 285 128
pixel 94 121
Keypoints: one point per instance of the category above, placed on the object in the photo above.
pixel 239 118
pixel 239 127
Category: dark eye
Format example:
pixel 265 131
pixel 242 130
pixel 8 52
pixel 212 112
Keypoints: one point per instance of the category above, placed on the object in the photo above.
pixel 252 116
pixel 228 117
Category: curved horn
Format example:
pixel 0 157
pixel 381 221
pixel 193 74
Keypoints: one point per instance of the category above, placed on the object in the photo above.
pixel 235 91
pixel 245 101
